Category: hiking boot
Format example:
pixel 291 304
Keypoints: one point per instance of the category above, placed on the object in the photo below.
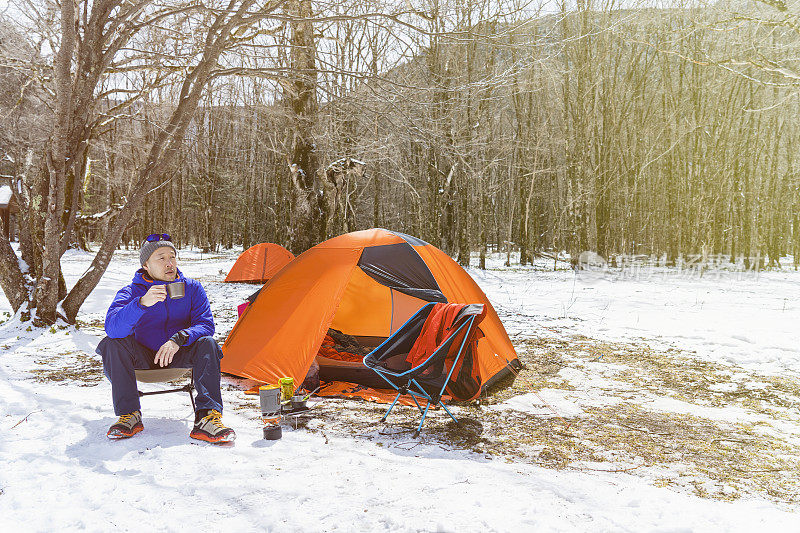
pixel 211 429
pixel 127 426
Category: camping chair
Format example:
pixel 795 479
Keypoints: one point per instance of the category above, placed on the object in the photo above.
pixel 160 375
pixel 430 378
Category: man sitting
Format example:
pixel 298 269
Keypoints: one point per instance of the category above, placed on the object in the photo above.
pixel 146 329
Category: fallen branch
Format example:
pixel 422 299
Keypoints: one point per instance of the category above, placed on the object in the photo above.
pixel 26 418
pixel 402 445
pixel 740 441
pixel 611 470
pixel 645 430
pixel 390 431
pixel 764 470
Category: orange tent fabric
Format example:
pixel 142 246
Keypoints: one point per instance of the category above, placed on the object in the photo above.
pixel 461 288
pixel 259 263
pixel 366 284
pixel 342 389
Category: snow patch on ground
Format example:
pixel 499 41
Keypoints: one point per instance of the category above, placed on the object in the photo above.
pixel 745 319
pixel 547 402
pixel 61 473
pixel 724 387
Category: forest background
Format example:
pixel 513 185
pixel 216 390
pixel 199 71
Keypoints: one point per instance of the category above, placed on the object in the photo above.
pixel 622 128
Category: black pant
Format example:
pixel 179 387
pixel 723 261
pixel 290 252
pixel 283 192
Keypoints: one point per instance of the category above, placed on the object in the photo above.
pixel 122 356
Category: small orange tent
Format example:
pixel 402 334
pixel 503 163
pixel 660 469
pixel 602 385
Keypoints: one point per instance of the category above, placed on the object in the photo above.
pixel 366 284
pixel 259 263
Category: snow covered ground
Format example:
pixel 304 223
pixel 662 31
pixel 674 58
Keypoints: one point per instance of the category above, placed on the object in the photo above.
pixel 748 319
pixel 59 472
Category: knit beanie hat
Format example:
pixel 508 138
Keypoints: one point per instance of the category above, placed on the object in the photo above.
pixel 149 247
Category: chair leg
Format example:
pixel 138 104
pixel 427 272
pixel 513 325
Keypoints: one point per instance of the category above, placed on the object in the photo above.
pixel 424 414
pixel 448 412
pixel 391 407
pixel 418 405
pixel 191 390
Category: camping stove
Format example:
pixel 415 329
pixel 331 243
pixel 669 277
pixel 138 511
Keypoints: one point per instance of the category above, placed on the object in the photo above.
pixel 270 397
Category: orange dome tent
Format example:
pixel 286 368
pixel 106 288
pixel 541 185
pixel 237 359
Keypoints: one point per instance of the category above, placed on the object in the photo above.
pixel 259 263
pixel 365 284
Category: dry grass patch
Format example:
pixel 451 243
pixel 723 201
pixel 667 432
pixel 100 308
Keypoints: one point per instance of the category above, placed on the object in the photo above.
pixel 71 366
pixel 722 458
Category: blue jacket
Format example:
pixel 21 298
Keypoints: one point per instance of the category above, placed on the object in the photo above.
pixel 153 326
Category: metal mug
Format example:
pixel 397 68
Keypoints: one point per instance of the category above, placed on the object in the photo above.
pixel 270 398
pixel 299 402
pixel 176 289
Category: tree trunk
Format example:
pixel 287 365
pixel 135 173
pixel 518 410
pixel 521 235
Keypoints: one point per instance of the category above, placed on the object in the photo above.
pixel 307 226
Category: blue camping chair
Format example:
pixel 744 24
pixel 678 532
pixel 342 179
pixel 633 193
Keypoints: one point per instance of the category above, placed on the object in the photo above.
pixel 430 378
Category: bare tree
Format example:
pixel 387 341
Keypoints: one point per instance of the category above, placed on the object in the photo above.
pixel 97 41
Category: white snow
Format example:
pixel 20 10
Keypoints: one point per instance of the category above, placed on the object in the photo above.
pixel 548 402
pixel 59 472
pixel 723 387
pixel 745 318
pixel 5 195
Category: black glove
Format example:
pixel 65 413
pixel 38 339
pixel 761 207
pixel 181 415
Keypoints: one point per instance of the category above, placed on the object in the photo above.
pixel 180 338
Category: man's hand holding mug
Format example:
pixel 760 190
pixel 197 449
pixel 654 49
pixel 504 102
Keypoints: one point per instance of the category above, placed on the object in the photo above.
pixel 155 294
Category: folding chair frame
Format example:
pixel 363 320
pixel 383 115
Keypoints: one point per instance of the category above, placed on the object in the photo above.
pixel 420 392
pixel 189 387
